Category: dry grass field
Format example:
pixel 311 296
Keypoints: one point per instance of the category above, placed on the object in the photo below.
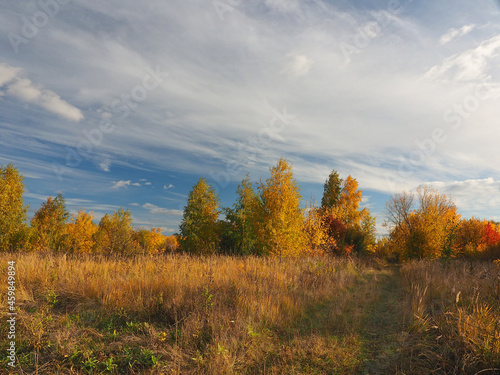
pixel 178 314
pixel 455 327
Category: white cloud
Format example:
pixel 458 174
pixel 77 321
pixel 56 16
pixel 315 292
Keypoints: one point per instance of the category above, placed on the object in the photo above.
pixel 104 165
pixel 453 33
pixel 136 184
pixel 148 183
pixel 135 204
pixel 170 186
pixel 471 65
pixel 120 184
pixel 473 197
pixel 298 65
pixel 27 91
pixel 8 73
pixel 153 209
pixel 283 5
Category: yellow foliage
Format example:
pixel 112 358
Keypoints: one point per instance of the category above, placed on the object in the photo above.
pixel 347 207
pixel 282 223
pixel 152 242
pixel 49 226
pixel 81 230
pixel 171 244
pixel 315 230
pixel 12 209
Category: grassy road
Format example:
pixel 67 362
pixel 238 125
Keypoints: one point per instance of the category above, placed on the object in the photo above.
pixel 383 328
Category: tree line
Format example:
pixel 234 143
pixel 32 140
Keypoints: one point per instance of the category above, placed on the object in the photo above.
pixel 266 219
pixel 426 224
pixel 52 228
pixel 270 220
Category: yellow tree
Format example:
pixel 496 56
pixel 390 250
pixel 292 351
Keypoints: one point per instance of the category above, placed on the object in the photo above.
pixel 49 225
pixel 171 244
pixel 151 241
pixel 115 234
pixel 81 232
pixel 199 227
pixel 425 231
pixel 439 220
pixel 347 207
pixel 315 230
pixel 12 209
pixel 281 231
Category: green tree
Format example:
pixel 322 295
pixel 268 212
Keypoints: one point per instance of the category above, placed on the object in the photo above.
pixel 369 231
pixel 49 225
pixel 331 191
pixel 12 209
pixel 281 231
pixel 344 218
pixel 199 229
pixel 241 220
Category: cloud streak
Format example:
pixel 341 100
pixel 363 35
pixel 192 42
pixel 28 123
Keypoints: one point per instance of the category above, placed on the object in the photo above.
pixel 454 33
pixel 155 210
pixel 27 91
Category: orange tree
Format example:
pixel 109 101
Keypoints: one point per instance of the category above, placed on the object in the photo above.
pixel 348 227
pixel 474 237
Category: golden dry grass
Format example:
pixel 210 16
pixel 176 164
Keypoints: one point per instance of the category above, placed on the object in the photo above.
pixel 178 314
pixel 181 314
pixel 456 316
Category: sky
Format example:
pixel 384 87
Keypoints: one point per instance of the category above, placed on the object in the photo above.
pixel 127 103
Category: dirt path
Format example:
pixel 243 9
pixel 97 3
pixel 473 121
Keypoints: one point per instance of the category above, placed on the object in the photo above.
pixel 383 328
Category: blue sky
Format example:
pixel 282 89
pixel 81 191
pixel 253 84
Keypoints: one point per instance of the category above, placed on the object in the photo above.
pixel 127 103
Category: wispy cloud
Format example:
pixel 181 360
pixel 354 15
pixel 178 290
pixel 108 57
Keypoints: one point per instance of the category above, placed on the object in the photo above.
pixel 105 165
pixel 170 186
pixel 471 65
pixel 153 209
pixel 454 33
pixel 474 195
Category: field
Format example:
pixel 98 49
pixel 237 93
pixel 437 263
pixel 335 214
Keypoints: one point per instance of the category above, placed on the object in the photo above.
pixel 178 314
